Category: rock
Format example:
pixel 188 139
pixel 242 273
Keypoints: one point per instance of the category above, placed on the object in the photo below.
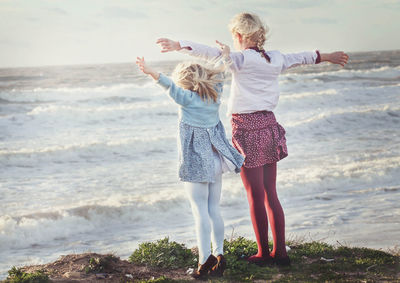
pixel 72 274
pixel 190 271
pixel 101 275
pixel 327 259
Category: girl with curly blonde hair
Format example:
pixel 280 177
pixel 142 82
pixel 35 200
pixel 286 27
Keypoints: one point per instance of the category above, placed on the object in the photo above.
pixel 204 153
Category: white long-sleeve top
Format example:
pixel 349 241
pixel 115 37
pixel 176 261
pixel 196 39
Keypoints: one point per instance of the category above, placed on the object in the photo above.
pixel 254 79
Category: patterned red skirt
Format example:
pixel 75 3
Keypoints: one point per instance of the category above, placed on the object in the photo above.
pixel 259 137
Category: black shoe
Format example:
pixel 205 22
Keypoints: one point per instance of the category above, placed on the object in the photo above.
pixel 283 261
pixel 260 261
pixel 219 268
pixel 205 268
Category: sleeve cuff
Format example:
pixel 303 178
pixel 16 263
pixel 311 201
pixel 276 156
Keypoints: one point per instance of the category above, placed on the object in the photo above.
pixel 164 81
pixel 318 60
pixel 185 45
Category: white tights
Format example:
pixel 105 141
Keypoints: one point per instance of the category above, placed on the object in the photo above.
pixel 204 199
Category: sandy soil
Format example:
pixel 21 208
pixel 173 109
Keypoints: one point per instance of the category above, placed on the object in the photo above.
pixel 71 268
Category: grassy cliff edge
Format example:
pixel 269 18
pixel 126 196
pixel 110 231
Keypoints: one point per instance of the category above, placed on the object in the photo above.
pixel 168 261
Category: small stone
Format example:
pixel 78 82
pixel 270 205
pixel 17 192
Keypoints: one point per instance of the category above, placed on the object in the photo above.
pixel 327 259
pixel 71 274
pixel 101 275
pixel 190 271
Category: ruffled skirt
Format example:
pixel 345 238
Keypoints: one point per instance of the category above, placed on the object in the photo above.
pixel 259 138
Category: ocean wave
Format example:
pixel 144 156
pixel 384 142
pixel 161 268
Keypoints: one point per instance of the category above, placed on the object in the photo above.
pixel 80 93
pixel 121 211
pixel 134 148
pixel 374 190
pixel 95 89
pixel 343 71
pixel 118 212
pixel 384 73
pixel 332 78
pixel 340 173
pixel 97 100
pixel 4 101
pixel 115 99
pixel 20 77
pixel 77 108
pixel 300 95
pixel 344 113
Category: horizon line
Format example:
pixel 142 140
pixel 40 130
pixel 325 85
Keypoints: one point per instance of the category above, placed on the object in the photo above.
pixel 166 60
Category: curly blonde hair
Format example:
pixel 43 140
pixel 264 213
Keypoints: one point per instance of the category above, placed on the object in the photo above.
pixel 199 78
pixel 250 27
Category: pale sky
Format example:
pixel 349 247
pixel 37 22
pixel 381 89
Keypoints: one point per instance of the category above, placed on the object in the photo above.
pixel 59 32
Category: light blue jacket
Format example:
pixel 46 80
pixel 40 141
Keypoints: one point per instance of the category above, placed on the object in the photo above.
pixel 193 111
pixel 200 129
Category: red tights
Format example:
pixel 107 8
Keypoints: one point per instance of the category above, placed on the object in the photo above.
pixel 260 184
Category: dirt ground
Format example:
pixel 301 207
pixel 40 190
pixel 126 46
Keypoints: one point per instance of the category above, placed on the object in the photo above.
pixel 71 268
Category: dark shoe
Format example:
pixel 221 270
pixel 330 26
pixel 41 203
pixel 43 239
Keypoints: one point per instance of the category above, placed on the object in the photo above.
pixel 282 261
pixel 260 261
pixel 219 268
pixel 205 268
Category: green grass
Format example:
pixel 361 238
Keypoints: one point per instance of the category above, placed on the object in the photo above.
pixel 163 254
pixel 349 264
pixel 98 264
pixel 16 275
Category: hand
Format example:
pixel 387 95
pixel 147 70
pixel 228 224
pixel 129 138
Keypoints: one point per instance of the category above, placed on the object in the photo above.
pixel 225 50
pixel 146 69
pixel 168 45
pixel 338 57
pixel 142 65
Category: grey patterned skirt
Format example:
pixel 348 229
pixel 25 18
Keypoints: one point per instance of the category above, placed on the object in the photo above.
pixel 196 161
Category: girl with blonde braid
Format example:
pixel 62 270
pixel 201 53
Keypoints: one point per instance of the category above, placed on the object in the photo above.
pixel 255 132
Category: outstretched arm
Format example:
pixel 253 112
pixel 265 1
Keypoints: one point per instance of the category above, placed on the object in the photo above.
pixel 295 59
pixel 202 51
pixel 189 47
pixel 180 95
pixel 146 69
pixel 168 45
pixel 338 57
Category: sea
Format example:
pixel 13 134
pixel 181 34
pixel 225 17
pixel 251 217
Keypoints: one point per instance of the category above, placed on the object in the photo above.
pixel 88 159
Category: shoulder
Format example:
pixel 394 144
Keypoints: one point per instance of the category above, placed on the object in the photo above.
pixel 274 53
pixel 248 52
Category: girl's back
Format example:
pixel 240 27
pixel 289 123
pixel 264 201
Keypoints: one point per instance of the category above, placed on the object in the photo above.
pixel 254 82
pixel 193 110
pixel 255 78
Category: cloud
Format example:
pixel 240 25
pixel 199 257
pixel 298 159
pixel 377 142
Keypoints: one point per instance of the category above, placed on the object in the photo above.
pixel 33 19
pixel 57 10
pixel 13 42
pixel 324 21
pixel 294 4
pixel 122 13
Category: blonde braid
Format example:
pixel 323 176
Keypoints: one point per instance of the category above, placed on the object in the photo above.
pixel 251 28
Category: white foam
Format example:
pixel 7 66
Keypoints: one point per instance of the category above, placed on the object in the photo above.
pixel 338 112
pixel 339 171
pixel 120 210
pixel 80 93
pixel 383 71
pixel 306 94
pixel 77 109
